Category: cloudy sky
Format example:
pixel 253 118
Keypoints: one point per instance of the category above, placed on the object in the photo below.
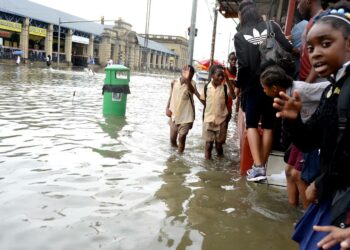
pixel 168 17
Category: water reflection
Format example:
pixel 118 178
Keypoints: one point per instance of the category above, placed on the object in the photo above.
pixel 112 125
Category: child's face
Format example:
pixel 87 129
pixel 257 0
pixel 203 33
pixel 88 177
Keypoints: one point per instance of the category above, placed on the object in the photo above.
pixel 232 61
pixel 186 72
pixel 270 91
pixel 328 49
pixel 218 77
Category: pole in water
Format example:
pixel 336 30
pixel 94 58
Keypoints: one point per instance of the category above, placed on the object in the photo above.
pixel 73 97
pixel 192 32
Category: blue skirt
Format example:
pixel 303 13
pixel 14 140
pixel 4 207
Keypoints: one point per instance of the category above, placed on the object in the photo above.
pixel 316 214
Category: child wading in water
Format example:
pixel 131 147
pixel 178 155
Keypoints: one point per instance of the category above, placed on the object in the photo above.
pixel 328 43
pixel 181 108
pixel 215 113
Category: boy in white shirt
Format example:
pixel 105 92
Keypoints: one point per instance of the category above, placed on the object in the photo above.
pixel 215 111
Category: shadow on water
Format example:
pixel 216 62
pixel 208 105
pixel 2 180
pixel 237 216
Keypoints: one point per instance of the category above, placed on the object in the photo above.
pixel 112 125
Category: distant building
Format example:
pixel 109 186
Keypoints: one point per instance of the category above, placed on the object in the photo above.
pixel 33 29
pixel 177 44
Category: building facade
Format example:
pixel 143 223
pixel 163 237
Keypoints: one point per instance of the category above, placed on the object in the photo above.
pixel 34 31
pixel 177 44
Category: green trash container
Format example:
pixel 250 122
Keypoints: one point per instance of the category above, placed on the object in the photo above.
pixel 115 90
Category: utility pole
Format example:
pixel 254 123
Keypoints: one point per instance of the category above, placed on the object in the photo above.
pixel 192 32
pixel 59 41
pixel 229 44
pixel 145 45
pixel 214 35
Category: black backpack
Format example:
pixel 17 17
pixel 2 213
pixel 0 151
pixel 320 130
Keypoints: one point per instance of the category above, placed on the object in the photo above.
pixel 271 52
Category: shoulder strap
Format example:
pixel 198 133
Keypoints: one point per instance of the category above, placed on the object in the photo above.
pixel 205 91
pixel 205 98
pixel 226 96
pixel 343 107
pixel 270 31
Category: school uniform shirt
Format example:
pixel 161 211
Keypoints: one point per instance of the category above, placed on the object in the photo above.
pixel 181 103
pixel 310 95
pixel 215 104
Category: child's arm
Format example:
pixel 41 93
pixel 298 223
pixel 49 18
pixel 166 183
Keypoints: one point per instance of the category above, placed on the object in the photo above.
pixel 167 110
pixel 196 93
pixel 231 86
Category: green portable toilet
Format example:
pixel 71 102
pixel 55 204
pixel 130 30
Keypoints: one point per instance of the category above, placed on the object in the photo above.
pixel 115 90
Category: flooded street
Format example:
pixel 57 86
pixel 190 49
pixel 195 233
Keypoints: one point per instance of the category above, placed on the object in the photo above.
pixel 73 179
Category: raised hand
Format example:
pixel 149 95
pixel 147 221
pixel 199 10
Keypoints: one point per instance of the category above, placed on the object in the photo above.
pixel 289 107
pixel 336 235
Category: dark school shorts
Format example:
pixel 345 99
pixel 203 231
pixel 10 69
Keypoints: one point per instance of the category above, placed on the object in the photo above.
pixel 258 107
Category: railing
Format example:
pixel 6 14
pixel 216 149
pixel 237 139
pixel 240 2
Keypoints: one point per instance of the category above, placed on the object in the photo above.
pixel 62 57
pixel 36 55
pixel 7 52
pixel 79 60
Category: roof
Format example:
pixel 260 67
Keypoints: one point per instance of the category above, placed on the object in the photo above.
pixel 45 14
pixel 228 8
pixel 154 45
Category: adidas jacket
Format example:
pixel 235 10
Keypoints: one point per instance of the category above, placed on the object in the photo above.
pixel 247 41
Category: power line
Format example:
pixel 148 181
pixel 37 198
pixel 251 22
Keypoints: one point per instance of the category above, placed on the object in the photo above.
pixel 209 10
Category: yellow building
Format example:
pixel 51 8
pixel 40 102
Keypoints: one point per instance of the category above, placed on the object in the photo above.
pixel 177 44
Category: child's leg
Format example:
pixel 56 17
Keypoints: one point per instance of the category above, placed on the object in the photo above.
pixel 266 146
pixel 254 140
pixel 183 130
pixel 221 138
pixel 296 176
pixel 292 189
pixel 219 149
pixel 173 134
pixel 182 142
pixel 301 187
pixel 208 149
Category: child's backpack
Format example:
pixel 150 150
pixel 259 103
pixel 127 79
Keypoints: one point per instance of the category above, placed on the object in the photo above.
pixel 205 97
pixel 271 52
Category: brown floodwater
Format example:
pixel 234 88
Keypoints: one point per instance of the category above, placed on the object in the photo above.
pixel 73 179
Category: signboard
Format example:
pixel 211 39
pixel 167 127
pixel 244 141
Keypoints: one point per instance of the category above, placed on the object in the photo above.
pixel 1 41
pixel 7 25
pixel 80 39
pixel 5 34
pixel 37 31
pixel 121 75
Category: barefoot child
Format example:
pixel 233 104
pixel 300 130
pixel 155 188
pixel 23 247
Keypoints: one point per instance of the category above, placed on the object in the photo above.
pixel 328 43
pixel 215 111
pixel 180 107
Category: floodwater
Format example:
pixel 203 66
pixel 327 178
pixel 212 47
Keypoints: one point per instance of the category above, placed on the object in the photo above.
pixel 73 179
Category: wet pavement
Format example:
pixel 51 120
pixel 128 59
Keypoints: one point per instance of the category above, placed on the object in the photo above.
pixel 73 179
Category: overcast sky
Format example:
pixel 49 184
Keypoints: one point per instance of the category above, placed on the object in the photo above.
pixel 168 17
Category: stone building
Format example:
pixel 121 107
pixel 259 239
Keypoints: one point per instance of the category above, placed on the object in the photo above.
pixel 33 30
pixel 177 44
